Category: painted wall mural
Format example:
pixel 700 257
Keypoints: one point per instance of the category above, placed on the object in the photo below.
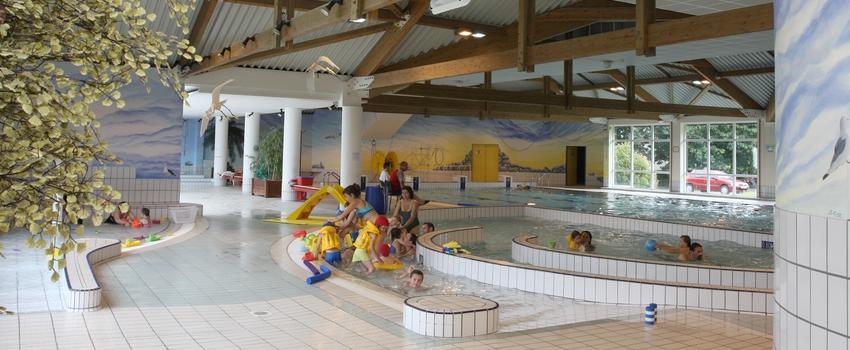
pixel 146 133
pixel 813 106
pixel 444 143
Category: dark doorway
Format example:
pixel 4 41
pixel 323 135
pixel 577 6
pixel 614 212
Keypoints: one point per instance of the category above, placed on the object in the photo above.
pixel 576 165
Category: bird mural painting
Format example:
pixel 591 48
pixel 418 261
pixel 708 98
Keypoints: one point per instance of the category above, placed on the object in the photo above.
pixel 840 154
pixel 167 171
pixel 215 106
pixel 322 64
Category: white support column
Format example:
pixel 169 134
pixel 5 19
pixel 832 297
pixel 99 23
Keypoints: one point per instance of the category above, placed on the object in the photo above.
pixel 291 151
pixel 220 151
pixel 352 126
pixel 252 138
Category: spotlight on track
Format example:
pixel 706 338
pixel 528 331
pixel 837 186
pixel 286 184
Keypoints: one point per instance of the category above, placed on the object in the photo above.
pixel 280 114
pixel 283 23
pixel 326 8
pixel 223 51
pixel 247 40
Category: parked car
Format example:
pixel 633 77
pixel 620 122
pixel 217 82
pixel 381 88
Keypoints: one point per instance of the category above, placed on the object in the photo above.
pixel 698 180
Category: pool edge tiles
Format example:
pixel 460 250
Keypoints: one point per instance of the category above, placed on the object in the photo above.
pixel 593 287
pixel 525 251
pixel 704 233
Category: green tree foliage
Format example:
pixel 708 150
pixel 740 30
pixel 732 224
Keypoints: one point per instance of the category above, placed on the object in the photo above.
pixel 269 161
pixel 50 140
pixel 623 156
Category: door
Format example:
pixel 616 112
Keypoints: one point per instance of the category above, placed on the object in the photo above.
pixel 575 164
pixel 485 163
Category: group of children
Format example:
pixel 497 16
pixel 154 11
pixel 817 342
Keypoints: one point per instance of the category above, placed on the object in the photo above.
pixel 126 219
pixel 580 241
pixel 360 235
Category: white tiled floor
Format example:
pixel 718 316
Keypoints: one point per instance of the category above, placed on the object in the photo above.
pixel 203 293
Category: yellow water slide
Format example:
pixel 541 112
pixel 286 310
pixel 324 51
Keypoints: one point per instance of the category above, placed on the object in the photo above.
pixel 301 216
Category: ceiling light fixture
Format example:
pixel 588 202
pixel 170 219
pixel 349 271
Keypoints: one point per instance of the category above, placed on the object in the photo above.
pixel 478 34
pixel 283 22
pixel 223 51
pixel 697 82
pixel 705 82
pixel 358 20
pixel 247 40
pixel 280 114
pixel 618 88
pixel 463 32
pixel 326 8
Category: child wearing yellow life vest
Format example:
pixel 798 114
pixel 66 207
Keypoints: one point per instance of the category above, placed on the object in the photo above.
pixel 366 244
pixel 328 243
pixel 574 240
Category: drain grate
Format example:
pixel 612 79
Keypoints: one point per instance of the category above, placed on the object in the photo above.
pixel 260 313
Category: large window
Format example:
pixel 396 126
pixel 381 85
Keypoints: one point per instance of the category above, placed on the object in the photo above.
pixel 642 157
pixel 722 158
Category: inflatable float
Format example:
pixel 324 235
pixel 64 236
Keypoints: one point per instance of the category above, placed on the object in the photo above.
pixel 388 266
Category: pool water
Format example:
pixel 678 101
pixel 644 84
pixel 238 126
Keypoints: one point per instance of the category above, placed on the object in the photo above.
pixel 499 233
pixel 518 310
pixel 737 216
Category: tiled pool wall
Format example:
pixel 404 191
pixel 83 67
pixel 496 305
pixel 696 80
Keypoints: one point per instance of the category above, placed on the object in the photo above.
pixel 527 250
pixel 748 238
pixel 591 287
pixel 155 194
pixel 812 282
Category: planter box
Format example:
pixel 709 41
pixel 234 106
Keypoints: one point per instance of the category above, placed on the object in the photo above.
pixel 266 188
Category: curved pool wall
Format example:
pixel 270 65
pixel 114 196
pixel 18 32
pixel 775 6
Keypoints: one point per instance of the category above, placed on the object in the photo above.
pixel 585 286
pixel 525 249
pixel 702 233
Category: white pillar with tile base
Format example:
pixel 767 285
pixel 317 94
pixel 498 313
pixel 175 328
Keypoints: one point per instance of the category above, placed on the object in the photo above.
pixel 252 138
pixel 812 269
pixel 291 151
pixel 220 150
pixel 352 126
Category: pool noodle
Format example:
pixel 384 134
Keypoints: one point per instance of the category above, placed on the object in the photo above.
pixel 318 276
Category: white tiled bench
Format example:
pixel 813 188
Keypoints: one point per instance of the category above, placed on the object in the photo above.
pixel 82 290
pixel 451 316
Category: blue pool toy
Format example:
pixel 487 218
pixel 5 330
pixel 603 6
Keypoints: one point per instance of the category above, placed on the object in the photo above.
pixel 392 250
pixel 333 257
pixel 317 276
pixel 650 245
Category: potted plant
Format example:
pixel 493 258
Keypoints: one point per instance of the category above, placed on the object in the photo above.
pixel 268 166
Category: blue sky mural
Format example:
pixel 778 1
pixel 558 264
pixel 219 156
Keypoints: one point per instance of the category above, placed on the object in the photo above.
pixel 813 94
pixel 146 133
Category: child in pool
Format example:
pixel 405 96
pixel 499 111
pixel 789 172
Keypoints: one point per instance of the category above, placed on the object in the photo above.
pixel 404 242
pixel 585 242
pixel 683 251
pixel 696 252
pixel 145 219
pixel 413 278
pixel 573 240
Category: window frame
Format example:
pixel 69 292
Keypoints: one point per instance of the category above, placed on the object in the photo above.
pixel 708 140
pixel 652 140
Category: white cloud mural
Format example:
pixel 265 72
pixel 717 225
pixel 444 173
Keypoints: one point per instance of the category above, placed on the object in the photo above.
pixel 813 95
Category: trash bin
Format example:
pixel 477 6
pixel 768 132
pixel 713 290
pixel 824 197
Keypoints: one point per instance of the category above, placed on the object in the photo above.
pixel 375 197
pixel 302 181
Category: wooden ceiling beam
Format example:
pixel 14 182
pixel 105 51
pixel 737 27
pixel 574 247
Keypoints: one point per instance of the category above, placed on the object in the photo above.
pixel 205 14
pixel 306 22
pixel 619 13
pixel 525 34
pixel 306 45
pixel 385 14
pixel 739 21
pixel 743 72
pixel 535 98
pixel 707 70
pixel 391 40
pixel 645 13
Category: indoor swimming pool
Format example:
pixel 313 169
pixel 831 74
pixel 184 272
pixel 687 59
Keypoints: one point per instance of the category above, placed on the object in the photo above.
pixel 499 233
pixel 737 216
